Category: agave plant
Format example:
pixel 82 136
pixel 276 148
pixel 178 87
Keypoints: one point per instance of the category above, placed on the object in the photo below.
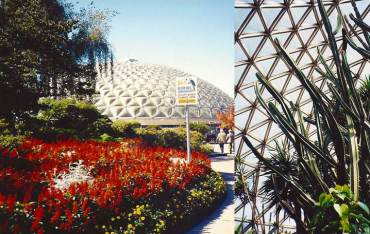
pixel 340 155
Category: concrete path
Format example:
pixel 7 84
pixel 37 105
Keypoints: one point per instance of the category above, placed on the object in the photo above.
pixel 220 221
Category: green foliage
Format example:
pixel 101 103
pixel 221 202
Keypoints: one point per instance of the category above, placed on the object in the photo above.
pixel 206 148
pixel 337 210
pixel 70 118
pixel 171 137
pixel 46 49
pixel 106 137
pixel 345 132
pixel 197 139
pixel 199 127
pixel 125 128
pixel 177 211
pixel 149 135
pixel 365 92
pixel 7 137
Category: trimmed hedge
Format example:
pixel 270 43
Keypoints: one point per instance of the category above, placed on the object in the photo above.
pixel 170 137
pixel 199 127
pixel 124 128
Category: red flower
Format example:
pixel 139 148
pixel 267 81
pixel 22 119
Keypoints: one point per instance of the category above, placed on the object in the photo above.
pixel 56 215
pixel 11 202
pixel 39 213
pixel 69 218
pixel 40 231
pixel 74 207
pixel 127 169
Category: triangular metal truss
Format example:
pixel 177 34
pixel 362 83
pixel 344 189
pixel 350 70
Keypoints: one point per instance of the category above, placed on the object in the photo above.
pixel 297 25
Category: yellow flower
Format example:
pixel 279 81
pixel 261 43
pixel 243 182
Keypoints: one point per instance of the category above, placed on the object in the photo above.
pixel 142 218
pixel 113 219
pixel 129 226
pixel 103 226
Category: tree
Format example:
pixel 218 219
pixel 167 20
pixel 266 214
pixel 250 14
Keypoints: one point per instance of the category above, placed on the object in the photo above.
pixel 226 118
pixel 46 49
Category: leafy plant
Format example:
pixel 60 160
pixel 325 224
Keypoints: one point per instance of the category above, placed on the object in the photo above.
pixel 199 127
pixel 8 138
pixel 125 128
pixel 365 92
pixel 70 118
pixel 337 210
pixel 339 155
pixel 171 137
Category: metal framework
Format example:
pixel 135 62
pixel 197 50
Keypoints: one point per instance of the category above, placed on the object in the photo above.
pixel 146 93
pixel 297 25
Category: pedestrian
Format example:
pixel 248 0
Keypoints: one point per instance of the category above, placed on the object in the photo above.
pixel 221 139
pixel 230 140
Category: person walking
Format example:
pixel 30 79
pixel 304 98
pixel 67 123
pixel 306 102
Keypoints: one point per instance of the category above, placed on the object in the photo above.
pixel 221 139
pixel 230 140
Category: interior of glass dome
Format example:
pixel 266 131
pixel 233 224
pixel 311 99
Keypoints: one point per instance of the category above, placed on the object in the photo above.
pixel 299 28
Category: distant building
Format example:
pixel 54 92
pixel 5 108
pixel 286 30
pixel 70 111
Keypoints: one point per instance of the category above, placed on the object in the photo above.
pixel 146 93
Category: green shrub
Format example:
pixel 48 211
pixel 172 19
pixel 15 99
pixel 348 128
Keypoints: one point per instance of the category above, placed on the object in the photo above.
pixel 149 135
pixel 207 149
pixel 170 137
pixel 337 211
pixel 199 127
pixel 71 119
pixel 154 127
pixel 196 140
pixel 106 137
pixel 8 136
pixel 125 128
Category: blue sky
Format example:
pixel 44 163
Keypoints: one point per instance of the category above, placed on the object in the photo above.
pixel 195 36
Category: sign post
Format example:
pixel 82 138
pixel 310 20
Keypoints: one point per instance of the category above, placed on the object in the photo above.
pixel 187 95
pixel 187 133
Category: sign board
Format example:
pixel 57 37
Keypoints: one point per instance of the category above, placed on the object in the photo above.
pixel 186 91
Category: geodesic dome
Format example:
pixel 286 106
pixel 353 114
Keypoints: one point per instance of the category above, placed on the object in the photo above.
pixel 298 26
pixel 146 92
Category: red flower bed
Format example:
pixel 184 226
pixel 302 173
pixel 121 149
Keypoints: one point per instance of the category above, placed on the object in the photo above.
pixel 120 172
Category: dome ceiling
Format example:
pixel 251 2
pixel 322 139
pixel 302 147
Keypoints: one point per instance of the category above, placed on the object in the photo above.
pixel 136 90
pixel 297 25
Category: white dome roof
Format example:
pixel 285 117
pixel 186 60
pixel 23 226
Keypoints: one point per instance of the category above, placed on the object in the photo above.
pixel 141 91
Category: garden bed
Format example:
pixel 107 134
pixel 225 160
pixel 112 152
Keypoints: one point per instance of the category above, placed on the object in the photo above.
pixel 95 187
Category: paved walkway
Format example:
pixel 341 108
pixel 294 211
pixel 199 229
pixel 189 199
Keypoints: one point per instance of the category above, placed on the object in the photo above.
pixel 220 221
